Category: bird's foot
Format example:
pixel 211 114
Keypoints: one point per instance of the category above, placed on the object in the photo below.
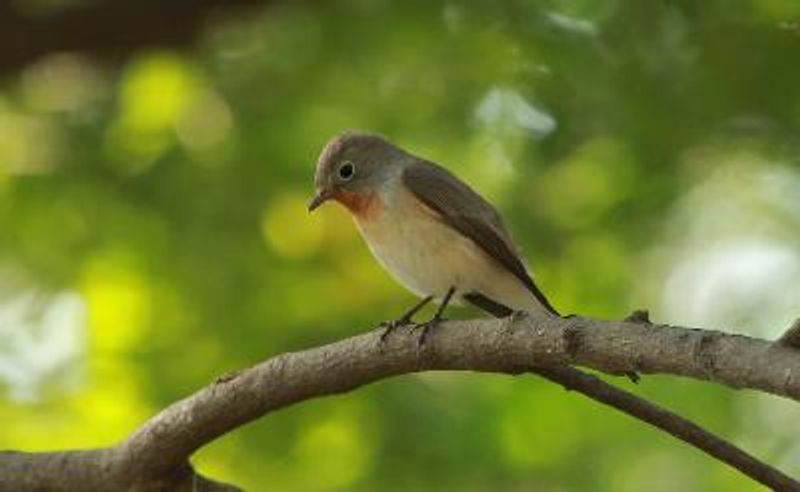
pixel 426 328
pixel 518 314
pixel 633 376
pixel 437 318
pixel 641 316
pixel 390 326
pixel 404 320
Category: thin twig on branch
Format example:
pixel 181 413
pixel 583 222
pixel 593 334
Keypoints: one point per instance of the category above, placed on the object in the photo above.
pixel 158 452
pixel 791 338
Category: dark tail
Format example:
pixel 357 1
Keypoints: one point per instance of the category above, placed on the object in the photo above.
pixel 500 310
pixel 482 302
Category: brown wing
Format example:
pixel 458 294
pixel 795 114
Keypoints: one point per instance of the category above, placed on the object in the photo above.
pixel 466 211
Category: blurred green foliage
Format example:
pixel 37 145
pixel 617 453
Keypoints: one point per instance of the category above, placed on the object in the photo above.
pixel 153 231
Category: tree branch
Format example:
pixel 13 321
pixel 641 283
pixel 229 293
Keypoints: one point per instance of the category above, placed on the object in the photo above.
pixel 670 422
pixel 158 452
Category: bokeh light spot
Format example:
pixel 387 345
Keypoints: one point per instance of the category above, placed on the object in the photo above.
pixel 288 229
pixel 29 144
pixel 206 122
pixel 598 175
pixel 119 304
pixel 62 82
pixel 542 441
pixel 336 450
pixel 154 93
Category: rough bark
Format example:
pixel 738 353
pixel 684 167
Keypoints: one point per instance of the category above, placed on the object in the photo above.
pixel 156 456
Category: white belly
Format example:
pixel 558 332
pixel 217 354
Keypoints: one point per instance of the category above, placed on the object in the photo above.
pixel 428 257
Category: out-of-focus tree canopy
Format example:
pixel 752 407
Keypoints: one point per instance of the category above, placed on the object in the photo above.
pixel 153 231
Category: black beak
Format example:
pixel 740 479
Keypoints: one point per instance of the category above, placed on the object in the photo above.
pixel 321 197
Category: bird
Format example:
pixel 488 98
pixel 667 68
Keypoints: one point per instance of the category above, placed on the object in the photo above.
pixel 430 230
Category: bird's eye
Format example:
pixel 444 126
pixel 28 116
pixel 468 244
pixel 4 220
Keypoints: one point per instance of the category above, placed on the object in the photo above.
pixel 347 170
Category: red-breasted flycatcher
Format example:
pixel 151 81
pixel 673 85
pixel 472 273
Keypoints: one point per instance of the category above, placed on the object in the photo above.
pixel 434 234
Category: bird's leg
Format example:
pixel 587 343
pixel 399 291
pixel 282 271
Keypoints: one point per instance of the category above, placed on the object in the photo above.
pixel 389 326
pixel 437 318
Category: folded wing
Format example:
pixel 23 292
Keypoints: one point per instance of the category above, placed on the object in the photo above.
pixel 466 211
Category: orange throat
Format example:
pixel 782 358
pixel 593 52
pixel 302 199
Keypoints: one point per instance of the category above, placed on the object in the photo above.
pixel 364 206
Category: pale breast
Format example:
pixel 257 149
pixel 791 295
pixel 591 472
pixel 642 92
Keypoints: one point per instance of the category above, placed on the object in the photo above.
pixel 428 257
pixel 421 253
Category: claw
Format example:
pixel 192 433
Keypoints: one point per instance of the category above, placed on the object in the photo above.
pixel 633 376
pixel 426 328
pixel 390 326
pixel 405 320
pixel 437 318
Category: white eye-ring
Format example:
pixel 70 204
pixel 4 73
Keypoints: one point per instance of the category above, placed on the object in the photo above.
pixel 347 170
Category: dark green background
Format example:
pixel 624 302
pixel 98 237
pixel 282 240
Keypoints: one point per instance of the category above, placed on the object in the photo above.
pixel 153 231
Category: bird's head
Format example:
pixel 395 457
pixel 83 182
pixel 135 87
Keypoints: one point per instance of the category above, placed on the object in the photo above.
pixel 353 168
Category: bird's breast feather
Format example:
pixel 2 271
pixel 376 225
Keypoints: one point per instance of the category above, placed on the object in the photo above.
pixel 365 206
